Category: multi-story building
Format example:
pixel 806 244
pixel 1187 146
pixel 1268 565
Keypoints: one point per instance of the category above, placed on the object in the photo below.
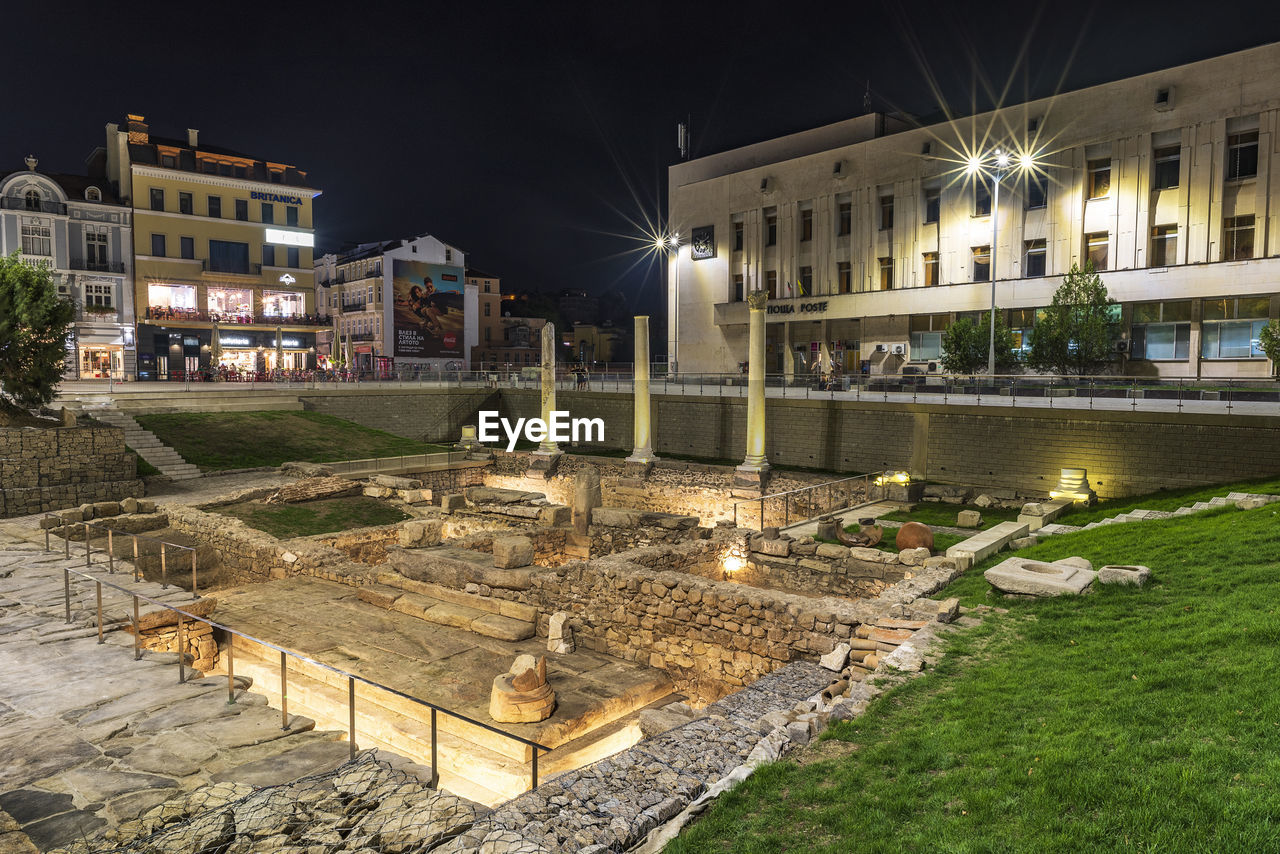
pixel 74 226
pixel 222 245
pixel 871 236
pixel 398 304
pixel 489 295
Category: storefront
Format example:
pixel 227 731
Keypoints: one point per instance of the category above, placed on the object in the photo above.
pixel 166 353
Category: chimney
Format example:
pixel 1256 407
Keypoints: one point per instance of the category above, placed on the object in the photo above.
pixel 31 162
pixel 137 130
pixel 193 137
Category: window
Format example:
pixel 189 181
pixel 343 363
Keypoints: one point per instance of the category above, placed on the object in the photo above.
pixel 225 169
pixel 806 225
pixel 1164 246
pixel 1166 162
pixel 187 246
pixel 184 204
pixel 171 296
pixel 35 240
pixel 1037 190
pixel 95 250
pixel 1096 248
pixel 1020 323
pixel 844 218
pixel 157 245
pixel 487 309
pixel 230 302
pixel 168 161
pixel 242 210
pixel 268 213
pixel 1236 335
pixel 215 206
pixel 926 336
pixel 291 218
pixel 1034 253
pixel 292 252
pixel 806 281
pixel 886 213
pixel 844 276
pixel 1161 330
pixel 32 200
pixel 930 269
pixel 228 257
pixel 771 284
pixel 932 204
pixel 1242 156
pixel 739 288
pixel 981 263
pixel 242 171
pixel 1099 178
pixel 1237 238
pixel 268 255
pixel 157 199
pixel 737 236
pixel 487 287
pixel 981 196
pixel 99 294
pixel 771 229
pixel 283 304
pixel 886 274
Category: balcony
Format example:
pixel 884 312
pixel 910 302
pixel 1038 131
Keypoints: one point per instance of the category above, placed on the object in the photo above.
pixel 162 314
pixel 343 277
pixel 246 270
pixel 362 336
pixel 96 266
pixel 13 203
pixel 97 314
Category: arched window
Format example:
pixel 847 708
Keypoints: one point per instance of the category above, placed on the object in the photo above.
pixel 33 200
pixel 93 194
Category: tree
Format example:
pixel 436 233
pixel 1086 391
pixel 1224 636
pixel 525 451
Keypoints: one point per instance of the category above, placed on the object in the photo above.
pixel 966 345
pixel 1269 338
pixel 1075 335
pixel 33 330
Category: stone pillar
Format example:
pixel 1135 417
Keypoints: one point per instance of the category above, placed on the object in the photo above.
pixel 753 474
pixel 544 459
pixel 642 453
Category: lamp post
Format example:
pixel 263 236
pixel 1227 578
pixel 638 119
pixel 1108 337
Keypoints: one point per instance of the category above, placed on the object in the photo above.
pixel 669 246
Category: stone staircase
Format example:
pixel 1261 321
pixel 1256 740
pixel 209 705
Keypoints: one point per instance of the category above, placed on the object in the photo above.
pixel 150 448
pixel 1139 515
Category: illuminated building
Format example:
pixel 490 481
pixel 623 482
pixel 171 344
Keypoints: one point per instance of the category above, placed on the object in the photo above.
pixel 397 304
pixel 220 239
pixel 74 226
pixel 871 240
pixel 489 302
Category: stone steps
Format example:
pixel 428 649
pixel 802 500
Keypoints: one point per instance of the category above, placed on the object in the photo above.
pixel 508 621
pixel 1140 515
pixel 147 445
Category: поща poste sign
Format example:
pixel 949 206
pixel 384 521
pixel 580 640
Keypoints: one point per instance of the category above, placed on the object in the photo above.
pixel 561 428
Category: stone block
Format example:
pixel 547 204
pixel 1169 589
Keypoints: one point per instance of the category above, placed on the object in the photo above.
pixel 379 594
pixel 968 519
pixel 129 505
pixel 1037 578
pixel 798 732
pixel 836 659
pixel 948 610
pixel 775 548
pixel 1135 576
pixel 1023 543
pixel 450 503
pixel 502 628
pixel 616 517
pixel 554 514
pixel 146 505
pixel 913 557
pixel 986 543
pixel 421 533
pixel 832 551
pixel 512 552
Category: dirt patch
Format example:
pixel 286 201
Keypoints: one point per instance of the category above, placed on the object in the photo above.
pixel 827 748
pixel 12 416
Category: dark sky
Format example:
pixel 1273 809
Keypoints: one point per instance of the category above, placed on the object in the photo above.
pixel 535 135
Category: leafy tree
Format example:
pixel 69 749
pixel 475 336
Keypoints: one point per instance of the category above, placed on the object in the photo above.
pixel 966 345
pixel 1269 338
pixel 33 331
pixel 1075 335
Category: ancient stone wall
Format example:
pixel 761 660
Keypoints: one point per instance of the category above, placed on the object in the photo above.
pixel 548 543
pixel 60 467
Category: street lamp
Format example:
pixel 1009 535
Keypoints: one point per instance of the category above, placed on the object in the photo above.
pixel 669 245
pixel 997 163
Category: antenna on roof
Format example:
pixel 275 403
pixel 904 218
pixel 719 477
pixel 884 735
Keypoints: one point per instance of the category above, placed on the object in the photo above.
pixel 866 99
pixel 682 139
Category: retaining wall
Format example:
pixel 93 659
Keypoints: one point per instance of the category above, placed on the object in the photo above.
pixel 43 469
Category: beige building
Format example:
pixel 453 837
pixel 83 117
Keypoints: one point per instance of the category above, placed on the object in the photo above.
pixel 871 236
pixel 489 295
pixel 221 241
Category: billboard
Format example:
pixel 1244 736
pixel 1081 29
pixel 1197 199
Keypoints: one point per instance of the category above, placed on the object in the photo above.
pixel 426 310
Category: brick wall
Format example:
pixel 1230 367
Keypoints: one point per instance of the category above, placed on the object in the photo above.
pixel 61 467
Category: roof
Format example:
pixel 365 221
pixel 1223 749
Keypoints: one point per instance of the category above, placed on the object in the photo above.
pixel 73 185
pixel 473 273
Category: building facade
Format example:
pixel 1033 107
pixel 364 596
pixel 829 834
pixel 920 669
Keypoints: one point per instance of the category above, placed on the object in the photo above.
pixel 489 302
pixel 871 236
pixel 222 246
pixel 74 226
pixel 399 304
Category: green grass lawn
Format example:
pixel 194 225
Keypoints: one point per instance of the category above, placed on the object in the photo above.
pixel 1124 720
pixel 213 441
pixel 145 469
pixel 1167 499
pixel 941 513
pixel 315 517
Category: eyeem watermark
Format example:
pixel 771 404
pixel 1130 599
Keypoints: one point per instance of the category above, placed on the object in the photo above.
pixel 561 428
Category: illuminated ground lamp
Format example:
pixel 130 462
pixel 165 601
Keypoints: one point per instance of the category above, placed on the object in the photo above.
pixel 734 560
pixel 893 477
pixel 1074 484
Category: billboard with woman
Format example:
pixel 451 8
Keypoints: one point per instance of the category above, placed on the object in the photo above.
pixel 426 310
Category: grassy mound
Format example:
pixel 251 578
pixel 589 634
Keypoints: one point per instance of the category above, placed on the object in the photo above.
pixel 215 441
pixel 1123 720
pixel 324 516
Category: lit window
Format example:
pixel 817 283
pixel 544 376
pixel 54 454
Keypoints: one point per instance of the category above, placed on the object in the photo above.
pixel 1164 245
pixel 1096 246
pixel 886 274
pixel 926 336
pixel 1242 155
pixel 1237 238
pixel 844 276
pixel 981 263
pixel 1035 255
pixel 1099 178
pixel 930 269
pixel 806 281
pixel 1166 163
pixel 771 284
pixel 1160 330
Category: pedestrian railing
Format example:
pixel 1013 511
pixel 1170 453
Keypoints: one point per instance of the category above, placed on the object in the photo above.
pixel 163 548
pixel 184 617
pixel 411 462
pixel 783 509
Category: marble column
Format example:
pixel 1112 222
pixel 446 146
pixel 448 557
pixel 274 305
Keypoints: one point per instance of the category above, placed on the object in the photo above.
pixel 753 474
pixel 547 446
pixel 642 451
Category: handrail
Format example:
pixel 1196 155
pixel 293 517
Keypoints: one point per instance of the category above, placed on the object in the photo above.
pixel 786 498
pixel 111 554
pixel 285 653
pixel 348 466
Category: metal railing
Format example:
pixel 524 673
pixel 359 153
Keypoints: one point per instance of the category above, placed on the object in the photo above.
pixel 67 528
pixel 783 509
pixel 401 463
pixel 16 203
pixel 536 749
pixel 97 266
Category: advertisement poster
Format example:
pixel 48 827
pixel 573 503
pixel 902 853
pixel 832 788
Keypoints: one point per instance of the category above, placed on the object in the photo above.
pixel 427 312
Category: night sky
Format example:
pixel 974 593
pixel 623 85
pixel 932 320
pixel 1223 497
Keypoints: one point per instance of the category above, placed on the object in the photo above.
pixel 535 136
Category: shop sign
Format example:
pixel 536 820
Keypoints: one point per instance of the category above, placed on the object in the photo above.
pixel 235 341
pixel 791 307
pixel 275 197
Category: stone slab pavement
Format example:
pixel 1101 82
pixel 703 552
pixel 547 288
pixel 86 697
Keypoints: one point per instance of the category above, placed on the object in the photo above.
pixel 91 738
